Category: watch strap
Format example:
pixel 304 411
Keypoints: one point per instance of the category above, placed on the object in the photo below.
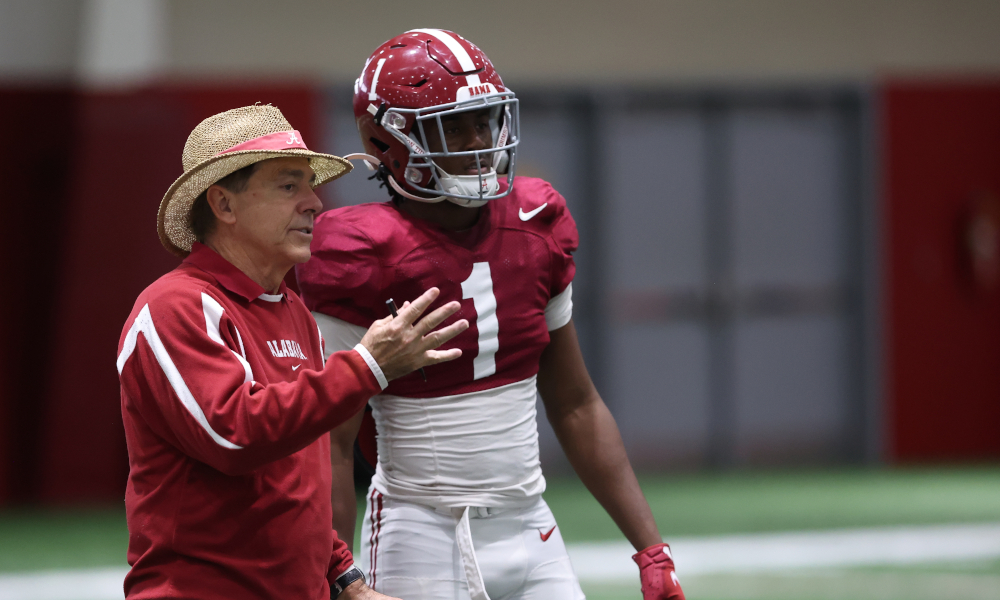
pixel 350 576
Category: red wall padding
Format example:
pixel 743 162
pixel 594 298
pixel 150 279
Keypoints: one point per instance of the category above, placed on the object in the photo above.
pixel 79 252
pixel 942 163
pixel 34 168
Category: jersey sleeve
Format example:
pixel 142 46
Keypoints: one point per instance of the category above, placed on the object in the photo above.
pixel 559 310
pixel 344 274
pixel 563 242
pixel 181 365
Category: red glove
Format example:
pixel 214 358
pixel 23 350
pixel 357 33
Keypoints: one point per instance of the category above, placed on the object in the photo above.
pixel 656 571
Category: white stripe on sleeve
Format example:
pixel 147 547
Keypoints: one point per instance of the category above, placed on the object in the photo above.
pixel 559 310
pixel 144 324
pixel 213 314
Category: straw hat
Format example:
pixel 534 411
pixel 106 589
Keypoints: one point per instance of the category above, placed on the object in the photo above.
pixel 222 145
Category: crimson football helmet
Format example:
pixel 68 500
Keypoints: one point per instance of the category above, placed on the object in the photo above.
pixel 419 77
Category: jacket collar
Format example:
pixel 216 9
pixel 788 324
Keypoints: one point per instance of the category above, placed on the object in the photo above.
pixel 229 276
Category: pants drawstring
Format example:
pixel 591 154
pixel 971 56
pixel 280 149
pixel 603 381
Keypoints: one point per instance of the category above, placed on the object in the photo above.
pixel 463 537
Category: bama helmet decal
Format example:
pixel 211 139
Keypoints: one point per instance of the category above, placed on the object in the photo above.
pixel 470 91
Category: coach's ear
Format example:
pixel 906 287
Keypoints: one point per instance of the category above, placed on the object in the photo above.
pixel 220 201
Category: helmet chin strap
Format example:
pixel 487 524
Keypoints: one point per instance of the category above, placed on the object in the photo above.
pixel 468 203
pixel 454 183
pixel 371 162
pixel 406 194
pixel 468 185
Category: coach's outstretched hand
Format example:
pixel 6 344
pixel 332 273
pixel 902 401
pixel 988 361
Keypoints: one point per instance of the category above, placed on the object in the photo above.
pixel 656 571
pixel 360 591
pixel 402 344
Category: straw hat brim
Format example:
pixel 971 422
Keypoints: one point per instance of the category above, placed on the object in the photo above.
pixel 173 220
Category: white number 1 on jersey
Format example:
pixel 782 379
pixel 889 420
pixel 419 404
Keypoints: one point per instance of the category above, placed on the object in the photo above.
pixel 479 287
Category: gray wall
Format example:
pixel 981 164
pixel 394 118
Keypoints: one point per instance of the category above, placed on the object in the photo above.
pixel 719 294
pixel 588 42
pixel 38 39
pixel 594 41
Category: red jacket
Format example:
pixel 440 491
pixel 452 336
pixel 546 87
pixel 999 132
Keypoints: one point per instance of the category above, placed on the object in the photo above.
pixel 227 407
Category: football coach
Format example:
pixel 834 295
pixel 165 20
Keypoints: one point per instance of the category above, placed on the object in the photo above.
pixel 226 399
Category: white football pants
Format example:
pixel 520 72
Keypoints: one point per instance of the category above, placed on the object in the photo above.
pixel 415 552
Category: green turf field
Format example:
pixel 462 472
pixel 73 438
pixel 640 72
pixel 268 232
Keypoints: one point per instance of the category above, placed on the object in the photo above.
pixel 745 502
pixel 965 581
pixel 684 505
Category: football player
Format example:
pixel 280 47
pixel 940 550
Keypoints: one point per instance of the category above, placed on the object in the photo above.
pixel 455 508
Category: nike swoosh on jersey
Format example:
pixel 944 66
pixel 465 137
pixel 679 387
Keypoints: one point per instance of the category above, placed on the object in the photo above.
pixel 527 215
pixel 545 536
pixel 297 366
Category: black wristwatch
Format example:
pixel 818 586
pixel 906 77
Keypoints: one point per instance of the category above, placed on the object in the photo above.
pixel 353 574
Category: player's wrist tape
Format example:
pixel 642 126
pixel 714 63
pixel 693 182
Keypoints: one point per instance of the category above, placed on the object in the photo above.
pixel 350 576
pixel 370 360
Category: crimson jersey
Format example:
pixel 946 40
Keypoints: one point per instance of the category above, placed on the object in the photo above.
pixel 504 270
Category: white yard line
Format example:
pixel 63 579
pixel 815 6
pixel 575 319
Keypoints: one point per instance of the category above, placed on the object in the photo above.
pixel 781 551
pixel 610 562
pixel 84 584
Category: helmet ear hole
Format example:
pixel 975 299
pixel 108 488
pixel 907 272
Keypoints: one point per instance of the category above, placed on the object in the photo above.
pixel 382 146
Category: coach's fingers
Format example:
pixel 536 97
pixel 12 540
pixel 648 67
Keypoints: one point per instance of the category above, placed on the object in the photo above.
pixel 432 320
pixel 436 338
pixel 411 312
pixel 434 357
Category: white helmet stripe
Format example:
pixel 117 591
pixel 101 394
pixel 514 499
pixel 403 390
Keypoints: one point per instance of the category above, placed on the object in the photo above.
pixel 464 60
pixel 372 97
